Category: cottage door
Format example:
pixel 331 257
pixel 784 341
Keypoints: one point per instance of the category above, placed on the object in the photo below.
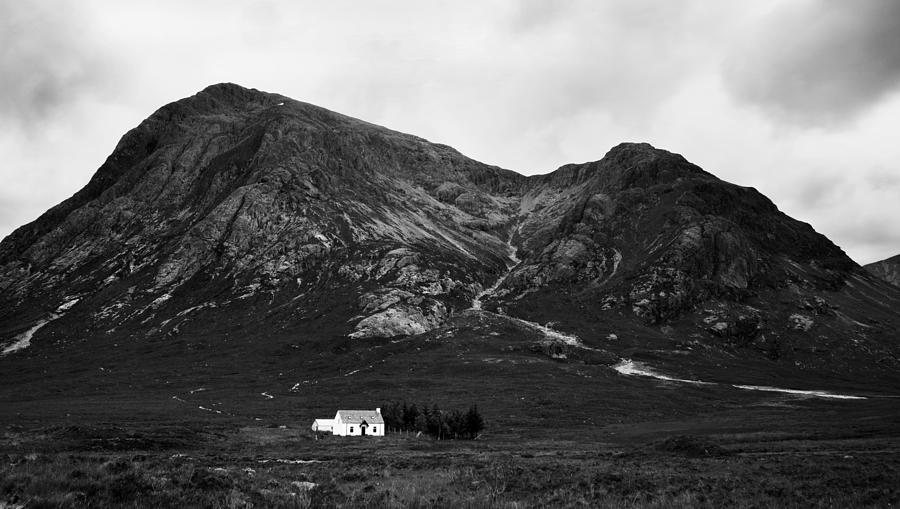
pixel 363 426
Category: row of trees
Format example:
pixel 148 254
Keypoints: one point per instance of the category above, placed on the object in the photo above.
pixel 441 424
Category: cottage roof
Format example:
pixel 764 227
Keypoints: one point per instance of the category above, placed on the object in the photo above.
pixel 323 425
pixel 358 416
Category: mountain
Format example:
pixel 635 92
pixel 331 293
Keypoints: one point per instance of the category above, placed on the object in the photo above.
pixel 246 225
pixel 888 270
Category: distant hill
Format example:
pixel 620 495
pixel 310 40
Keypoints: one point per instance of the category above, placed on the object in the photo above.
pixel 888 270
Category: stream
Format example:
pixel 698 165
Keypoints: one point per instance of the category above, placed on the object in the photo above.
pixel 632 368
pixel 515 261
pixel 511 253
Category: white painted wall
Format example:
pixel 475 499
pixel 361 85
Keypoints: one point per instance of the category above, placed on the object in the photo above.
pixel 353 430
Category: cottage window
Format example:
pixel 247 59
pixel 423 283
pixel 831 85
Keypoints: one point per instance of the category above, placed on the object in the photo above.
pixel 351 429
pixel 374 429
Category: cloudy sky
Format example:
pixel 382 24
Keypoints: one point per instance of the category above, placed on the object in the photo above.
pixel 799 98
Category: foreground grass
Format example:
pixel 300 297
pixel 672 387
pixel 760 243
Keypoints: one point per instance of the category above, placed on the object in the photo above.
pixel 266 467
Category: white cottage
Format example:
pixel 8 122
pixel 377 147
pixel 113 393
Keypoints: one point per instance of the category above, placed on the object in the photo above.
pixel 353 423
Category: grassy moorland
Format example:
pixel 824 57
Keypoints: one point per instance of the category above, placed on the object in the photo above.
pixel 186 425
pixel 783 453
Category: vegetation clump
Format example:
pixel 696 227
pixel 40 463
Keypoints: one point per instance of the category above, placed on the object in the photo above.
pixel 690 446
pixel 431 420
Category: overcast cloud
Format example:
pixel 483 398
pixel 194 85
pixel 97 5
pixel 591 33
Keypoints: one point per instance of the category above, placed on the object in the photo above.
pixel 798 98
pixel 821 62
pixel 47 61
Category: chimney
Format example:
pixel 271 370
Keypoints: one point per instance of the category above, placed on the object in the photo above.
pixel 378 410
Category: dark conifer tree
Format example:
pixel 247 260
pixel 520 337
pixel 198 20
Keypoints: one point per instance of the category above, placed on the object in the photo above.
pixel 434 421
pixel 412 413
pixel 404 416
pixel 421 423
pixel 474 422
pixel 456 422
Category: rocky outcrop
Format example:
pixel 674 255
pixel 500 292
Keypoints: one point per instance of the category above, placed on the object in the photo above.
pixel 402 320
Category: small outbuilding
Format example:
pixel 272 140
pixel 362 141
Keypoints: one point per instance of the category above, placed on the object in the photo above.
pixel 323 425
pixel 353 423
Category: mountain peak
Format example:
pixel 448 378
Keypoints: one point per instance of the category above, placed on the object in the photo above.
pixel 629 164
pixel 234 93
pixel 631 147
pixel 218 99
pixel 226 87
pixel 630 154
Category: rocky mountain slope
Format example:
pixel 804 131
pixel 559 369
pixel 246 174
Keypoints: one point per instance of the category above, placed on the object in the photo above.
pixel 238 214
pixel 888 270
